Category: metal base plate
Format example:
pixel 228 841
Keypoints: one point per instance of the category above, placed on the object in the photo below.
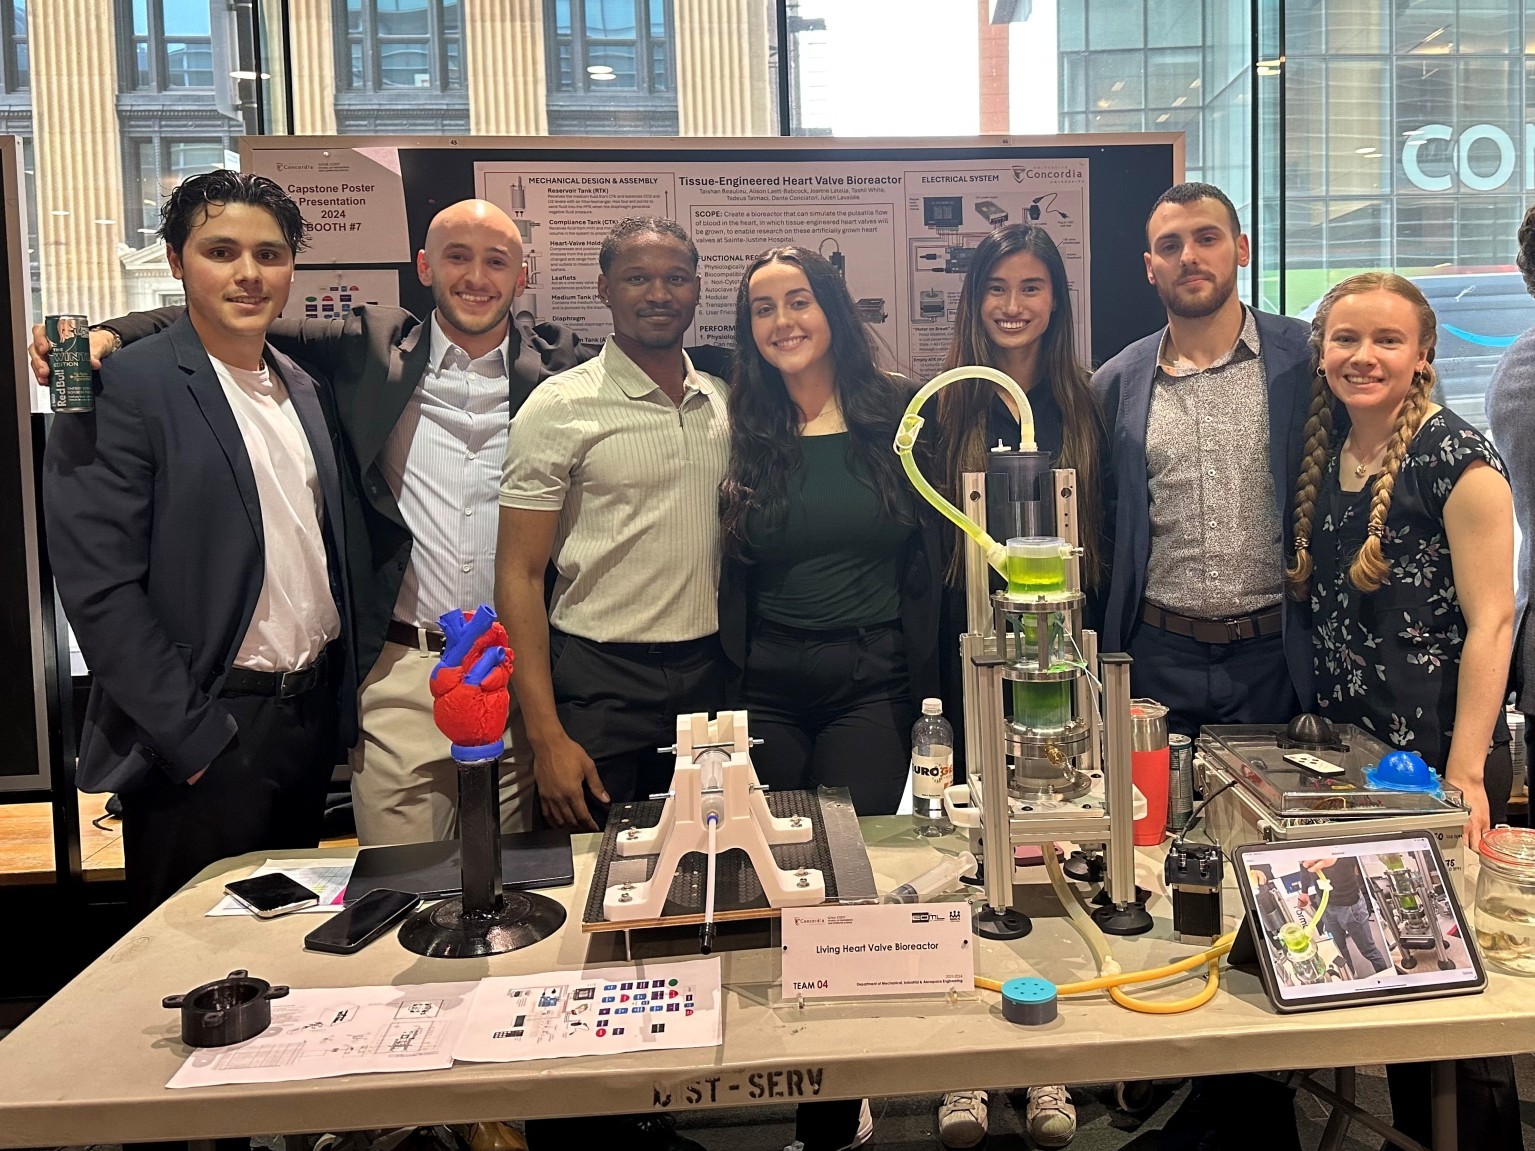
pixel 739 894
pixel 1068 786
pixel 446 931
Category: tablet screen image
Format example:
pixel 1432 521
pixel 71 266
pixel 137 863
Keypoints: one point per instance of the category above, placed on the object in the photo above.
pixel 1360 920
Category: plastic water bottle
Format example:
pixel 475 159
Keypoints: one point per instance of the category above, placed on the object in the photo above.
pixel 932 769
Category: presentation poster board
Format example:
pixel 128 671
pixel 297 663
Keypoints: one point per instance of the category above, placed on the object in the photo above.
pixel 899 219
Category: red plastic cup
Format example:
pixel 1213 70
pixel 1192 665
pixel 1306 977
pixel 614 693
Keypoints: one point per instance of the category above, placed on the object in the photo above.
pixel 1151 771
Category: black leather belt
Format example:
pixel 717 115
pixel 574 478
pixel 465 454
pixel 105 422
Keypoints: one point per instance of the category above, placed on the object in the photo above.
pixel 416 637
pixel 283 684
pixel 1259 623
pixel 825 634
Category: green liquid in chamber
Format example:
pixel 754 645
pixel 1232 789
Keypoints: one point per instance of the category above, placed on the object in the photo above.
pixel 1028 575
pixel 1042 706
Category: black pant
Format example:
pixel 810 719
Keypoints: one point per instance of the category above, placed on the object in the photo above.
pixel 1486 1103
pixel 264 792
pixel 834 709
pixel 620 701
pixel 1247 681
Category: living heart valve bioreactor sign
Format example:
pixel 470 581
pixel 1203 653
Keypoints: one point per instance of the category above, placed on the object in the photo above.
pixel 900 222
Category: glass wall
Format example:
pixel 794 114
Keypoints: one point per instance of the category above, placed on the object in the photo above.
pixel 1407 145
pixel 1350 133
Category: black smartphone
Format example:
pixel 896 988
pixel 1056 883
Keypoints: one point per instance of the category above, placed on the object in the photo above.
pixel 359 925
pixel 269 896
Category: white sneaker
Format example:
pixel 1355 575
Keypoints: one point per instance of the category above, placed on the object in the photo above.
pixel 1050 1116
pixel 962 1119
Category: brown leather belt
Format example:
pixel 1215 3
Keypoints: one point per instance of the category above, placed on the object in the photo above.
pixel 1259 623
pixel 415 637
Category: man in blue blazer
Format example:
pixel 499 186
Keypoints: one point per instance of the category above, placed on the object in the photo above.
pixel 194 522
pixel 1207 416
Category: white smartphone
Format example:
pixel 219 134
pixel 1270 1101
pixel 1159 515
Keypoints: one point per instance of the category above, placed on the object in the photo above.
pixel 1308 762
pixel 268 896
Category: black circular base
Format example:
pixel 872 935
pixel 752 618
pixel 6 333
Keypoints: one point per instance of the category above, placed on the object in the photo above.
pixel 1083 868
pixel 1102 898
pixel 446 931
pixel 1132 919
pixel 992 924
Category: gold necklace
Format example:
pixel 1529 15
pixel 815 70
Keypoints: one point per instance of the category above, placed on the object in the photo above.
pixel 1362 467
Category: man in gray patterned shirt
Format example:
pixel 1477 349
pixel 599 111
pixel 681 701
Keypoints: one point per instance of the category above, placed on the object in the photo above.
pixel 1207 416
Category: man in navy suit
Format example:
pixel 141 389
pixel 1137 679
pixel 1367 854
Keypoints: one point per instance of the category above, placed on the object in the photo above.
pixel 1207 416
pixel 194 523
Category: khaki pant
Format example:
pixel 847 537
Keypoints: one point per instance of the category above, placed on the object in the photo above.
pixel 404 781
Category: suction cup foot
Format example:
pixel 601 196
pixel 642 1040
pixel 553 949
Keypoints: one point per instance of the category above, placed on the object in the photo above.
pixel 1131 919
pixel 1083 868
pixel 446 931
pixel 1005 924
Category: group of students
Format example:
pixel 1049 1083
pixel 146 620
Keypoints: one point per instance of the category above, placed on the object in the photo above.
pixel 1273 519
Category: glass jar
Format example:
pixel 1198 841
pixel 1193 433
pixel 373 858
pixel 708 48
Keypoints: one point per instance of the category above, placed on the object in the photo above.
pixel 1505 899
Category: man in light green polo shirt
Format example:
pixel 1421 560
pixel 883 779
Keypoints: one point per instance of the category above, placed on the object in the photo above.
pixel 612 473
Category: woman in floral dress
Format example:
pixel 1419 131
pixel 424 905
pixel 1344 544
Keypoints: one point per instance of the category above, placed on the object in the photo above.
pixel 1404 546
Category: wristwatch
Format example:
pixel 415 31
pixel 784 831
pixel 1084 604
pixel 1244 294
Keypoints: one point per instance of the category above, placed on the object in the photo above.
pixel 117 340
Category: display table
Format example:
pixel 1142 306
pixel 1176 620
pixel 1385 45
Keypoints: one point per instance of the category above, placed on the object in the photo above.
pixel 90 1066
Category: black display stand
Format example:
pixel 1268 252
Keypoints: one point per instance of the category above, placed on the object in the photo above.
pixel 484 920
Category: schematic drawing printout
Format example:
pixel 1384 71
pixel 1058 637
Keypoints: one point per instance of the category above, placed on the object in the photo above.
pixel 649 1007
pixel 901 233
pixel 323 1031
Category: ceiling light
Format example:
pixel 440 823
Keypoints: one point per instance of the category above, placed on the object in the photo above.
pixel 106 221
pixel 595 70
pixel 59 212
pixel 1164 117
pixel 1365 152
pixel 1180 101
pixel 1194 83
pixel 250 75
pixel 1117 86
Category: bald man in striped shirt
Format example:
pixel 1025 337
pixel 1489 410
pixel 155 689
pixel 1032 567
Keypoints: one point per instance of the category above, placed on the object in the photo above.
pixel 612 474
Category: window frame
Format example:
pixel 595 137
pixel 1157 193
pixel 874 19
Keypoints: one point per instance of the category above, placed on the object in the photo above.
pixel 599 109
pixel 156 57
pixel 442 84
pixel 10 80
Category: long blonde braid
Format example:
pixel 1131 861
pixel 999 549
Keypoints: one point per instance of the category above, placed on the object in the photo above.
pixel 1370 569
pixel 1317 435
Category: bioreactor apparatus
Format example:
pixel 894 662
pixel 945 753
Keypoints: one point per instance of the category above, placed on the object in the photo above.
pixel 1047 719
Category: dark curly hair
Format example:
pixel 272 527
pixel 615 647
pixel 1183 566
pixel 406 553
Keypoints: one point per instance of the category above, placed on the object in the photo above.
pixel 1192 192
pixel 1527 250
pixel 187 205
pixel 626 230
pixel 765 423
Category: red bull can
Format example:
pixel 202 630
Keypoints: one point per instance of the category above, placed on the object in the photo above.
pixel 69 363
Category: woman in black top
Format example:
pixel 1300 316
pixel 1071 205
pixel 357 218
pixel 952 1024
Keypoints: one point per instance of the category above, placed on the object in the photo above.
pixel 1015 316
pixel 828 593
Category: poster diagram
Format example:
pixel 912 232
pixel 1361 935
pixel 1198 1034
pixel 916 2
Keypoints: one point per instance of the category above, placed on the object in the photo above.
pixel 332 294
pixel 556 1014
pixel 901 233
pixel 320 1032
